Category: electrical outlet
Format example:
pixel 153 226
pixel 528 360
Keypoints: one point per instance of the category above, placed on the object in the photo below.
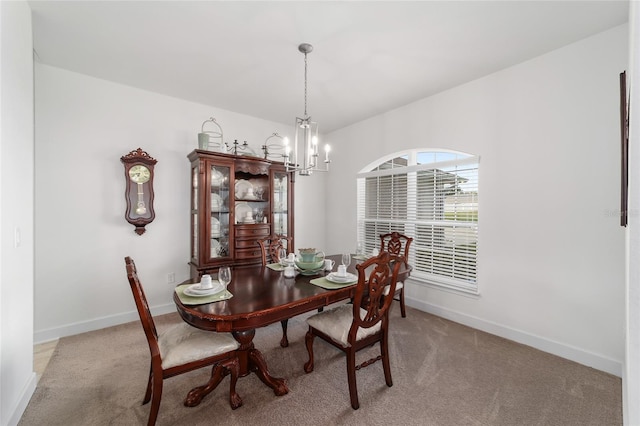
pixel 171 278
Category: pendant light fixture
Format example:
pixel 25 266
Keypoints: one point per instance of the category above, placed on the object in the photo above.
pixel 304 158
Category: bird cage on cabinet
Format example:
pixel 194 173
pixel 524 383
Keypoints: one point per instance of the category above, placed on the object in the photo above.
pixel 211 139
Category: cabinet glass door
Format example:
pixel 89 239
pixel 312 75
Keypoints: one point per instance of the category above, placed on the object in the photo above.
pixel 194 213
pixel 280 203
pixel 219 212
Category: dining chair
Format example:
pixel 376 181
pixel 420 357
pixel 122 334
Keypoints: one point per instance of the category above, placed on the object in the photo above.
pixel 397 244
pixel 269 248
pixel 180 349
pixel 358 325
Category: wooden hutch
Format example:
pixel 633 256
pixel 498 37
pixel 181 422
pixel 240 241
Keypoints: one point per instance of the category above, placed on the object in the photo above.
pixel 236 200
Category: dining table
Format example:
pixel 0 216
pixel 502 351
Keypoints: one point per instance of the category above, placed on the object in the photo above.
pixel 260 296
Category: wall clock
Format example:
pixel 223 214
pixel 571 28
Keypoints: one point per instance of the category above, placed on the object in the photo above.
pixel 138 173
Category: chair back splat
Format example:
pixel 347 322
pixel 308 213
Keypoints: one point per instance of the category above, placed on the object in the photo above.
pixel 271 245
pixel 397 244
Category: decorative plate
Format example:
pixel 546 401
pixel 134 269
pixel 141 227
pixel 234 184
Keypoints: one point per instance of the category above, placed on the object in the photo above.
pixel 309 272
pixel 242 187
pixel 215 248
pixel 216 202
pixel 242 209
pixel 216 177
pixel 215 227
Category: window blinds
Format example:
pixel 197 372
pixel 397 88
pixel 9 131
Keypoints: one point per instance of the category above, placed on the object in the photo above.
pixel 436 204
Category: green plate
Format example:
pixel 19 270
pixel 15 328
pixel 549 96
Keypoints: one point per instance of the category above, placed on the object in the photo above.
pixel 310 271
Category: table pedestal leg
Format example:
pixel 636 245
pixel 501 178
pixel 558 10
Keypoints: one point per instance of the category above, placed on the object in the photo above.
pixel 251 360
pixel 195 395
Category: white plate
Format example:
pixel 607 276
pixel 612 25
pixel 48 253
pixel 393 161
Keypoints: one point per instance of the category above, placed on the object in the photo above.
pixel 194 290
pixel 216 177
pixel 215 227
pixel 242 187
pixel 216 202
pixel 334 278
pixel 242 209
pixel 215 245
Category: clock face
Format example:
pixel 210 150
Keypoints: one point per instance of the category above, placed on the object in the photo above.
pixel 139 173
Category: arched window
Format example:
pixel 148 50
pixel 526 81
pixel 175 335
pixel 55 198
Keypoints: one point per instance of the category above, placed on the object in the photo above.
pixel 432 196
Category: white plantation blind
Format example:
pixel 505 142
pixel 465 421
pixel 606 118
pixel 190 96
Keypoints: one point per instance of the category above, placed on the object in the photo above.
pixel 432 197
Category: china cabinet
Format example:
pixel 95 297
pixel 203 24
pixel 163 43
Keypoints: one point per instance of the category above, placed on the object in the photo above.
pixel 235 201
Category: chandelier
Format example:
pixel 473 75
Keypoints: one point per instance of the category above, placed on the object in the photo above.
pixel 304 157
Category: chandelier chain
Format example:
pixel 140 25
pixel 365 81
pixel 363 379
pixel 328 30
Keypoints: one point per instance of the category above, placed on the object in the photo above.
pixel 305 85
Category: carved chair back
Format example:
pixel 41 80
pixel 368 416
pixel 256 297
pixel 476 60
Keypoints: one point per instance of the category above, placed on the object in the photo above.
pixel 374 275
pixel 271 245
pixel 395 243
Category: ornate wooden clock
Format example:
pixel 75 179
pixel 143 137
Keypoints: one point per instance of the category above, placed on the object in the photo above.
pixel 138 172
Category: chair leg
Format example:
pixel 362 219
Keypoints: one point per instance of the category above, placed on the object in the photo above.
pixel 147 394
pixel 402 311
pixel 284 342
pixel 386 366
pixel 351 377
pixel 156 394
pixel 308 339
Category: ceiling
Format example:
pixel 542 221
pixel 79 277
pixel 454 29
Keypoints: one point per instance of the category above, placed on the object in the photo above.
pixel 368 57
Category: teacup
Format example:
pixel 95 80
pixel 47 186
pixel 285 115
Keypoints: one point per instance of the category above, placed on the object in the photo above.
pixel 342 271
pixel 206 282
pixel 328 264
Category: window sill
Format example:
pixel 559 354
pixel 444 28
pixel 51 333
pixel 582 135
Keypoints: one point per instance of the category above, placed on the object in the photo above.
pixel 448 288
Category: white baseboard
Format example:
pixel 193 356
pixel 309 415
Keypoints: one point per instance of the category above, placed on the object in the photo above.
pixel 572 353
pixel 23 401
pixel 51 334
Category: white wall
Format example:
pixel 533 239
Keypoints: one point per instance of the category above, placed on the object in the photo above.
pixel 551 251
pixel 83 126
pixel 18 380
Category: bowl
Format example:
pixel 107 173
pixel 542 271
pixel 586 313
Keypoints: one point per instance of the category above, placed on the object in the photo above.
pixel 310 266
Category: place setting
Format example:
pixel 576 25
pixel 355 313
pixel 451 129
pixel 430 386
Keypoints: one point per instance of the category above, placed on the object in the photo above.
pixel 338 279
pixel 207 290
pixel 284 260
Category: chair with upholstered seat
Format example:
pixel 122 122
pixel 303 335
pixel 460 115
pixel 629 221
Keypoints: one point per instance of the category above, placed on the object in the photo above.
pixel 180 349
pixel 397 244
pixel 270 249
pixel 351 327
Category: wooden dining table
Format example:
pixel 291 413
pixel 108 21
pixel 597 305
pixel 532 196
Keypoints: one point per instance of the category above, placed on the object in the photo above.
pixel 261 296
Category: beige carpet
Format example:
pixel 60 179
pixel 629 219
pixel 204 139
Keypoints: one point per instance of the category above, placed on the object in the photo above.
pixel 443 374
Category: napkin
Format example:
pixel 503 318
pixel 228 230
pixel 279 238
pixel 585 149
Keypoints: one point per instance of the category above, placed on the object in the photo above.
pixel 326 284
pixel 275 266
pixel 191 300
